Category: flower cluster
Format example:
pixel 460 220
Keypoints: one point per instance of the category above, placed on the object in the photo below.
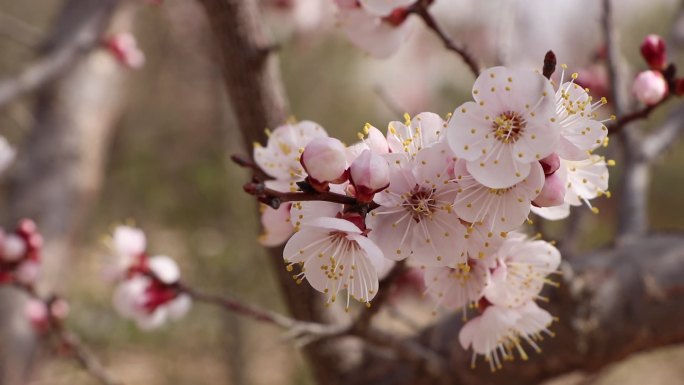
pixel 147 290
pixel 378 27
pixel 652 86
pixel 20 254
pixel 444 195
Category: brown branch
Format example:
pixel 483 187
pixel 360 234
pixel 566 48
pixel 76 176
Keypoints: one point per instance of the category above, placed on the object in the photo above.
pixel 84 36
pixel 643 113
pixel 421 8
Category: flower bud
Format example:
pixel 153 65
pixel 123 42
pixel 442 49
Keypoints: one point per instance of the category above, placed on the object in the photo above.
pixel 369 174
pixel 550 164
pixel 654 52
pixel 324 159
pixel 649 87
pixel 37 313
pixel 13 248
pixel 553 193
pixel 28 272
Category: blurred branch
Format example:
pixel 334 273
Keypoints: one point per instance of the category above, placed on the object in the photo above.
pixel 84 36
pixel 70 341
pixel 665 136
pixel 633 194
pixel 19 31
pixel 625 119
pixel 388 101
pixel 421 8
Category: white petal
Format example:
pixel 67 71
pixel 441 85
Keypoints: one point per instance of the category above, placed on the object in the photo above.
pixel 164 268
pixel 500 170
pixel 276 225
pixel 469 133
pixel 373 35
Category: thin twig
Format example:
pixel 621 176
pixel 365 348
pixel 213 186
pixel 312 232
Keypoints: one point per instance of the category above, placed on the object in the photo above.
pixel 642 113
pixel 69 340
pixel 53 63
pixel 421 9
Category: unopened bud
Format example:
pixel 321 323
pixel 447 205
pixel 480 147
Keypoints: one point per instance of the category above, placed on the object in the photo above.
pixel 28 272
pixel 550 164
pixel 13 248
pixel 325 160
pixel 654 51
pixel 649 87
pixel 553 193
pixel 376 141
pixel 369 174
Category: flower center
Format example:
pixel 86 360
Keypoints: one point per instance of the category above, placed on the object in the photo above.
pixel 500 191
pixel 421 203
pixel 508 126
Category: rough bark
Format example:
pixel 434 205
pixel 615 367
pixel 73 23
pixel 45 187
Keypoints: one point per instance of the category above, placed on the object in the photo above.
pixel 611 303
pixel 256 93
pixel 59 166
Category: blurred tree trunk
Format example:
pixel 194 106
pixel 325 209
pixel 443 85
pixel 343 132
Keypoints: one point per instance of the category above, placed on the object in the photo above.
pixel 59 167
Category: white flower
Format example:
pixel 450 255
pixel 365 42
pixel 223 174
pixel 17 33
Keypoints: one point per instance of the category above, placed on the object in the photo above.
pixel 128 248
pixel 164 268
pixel 522 270
pixel 149 304
pixel 416 216
pixel 584 180
pixel 424 130
pixel 280 157
pixel 455 288
pixel 500 332
pixel 499 209
pixel 276 224
pixel 378 36
pixel 336 256
pixel 509 127
pixel 580 132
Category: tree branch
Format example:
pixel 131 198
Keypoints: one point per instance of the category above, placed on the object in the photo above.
pixel 421 9
pixel 85 35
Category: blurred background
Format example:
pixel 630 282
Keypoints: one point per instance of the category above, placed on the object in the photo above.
pixel 167 168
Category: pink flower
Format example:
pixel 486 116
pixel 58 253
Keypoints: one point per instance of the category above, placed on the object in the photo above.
pixel 508 128
pixel 649 87
pixel 416 217
pixel 335 255
pixel 325 160
pixel 127 248
pixel 276 225
pixel 500 332
pixel 456 288
pixel 654 51
pixel 553 192
pixel 498 209
pixel 369 174
pixel 424 130
pixel 522 270
pixel 150 300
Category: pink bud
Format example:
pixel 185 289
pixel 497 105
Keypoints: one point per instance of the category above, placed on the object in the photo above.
pixel 369 174
pixel 37 313
pixel 28 272
pixel 325 160
pixel 649 87
pixel 550 164
pixel 60 309
pixel 125 49
pixel 654 51
pixel 13 248
pixel 553 193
